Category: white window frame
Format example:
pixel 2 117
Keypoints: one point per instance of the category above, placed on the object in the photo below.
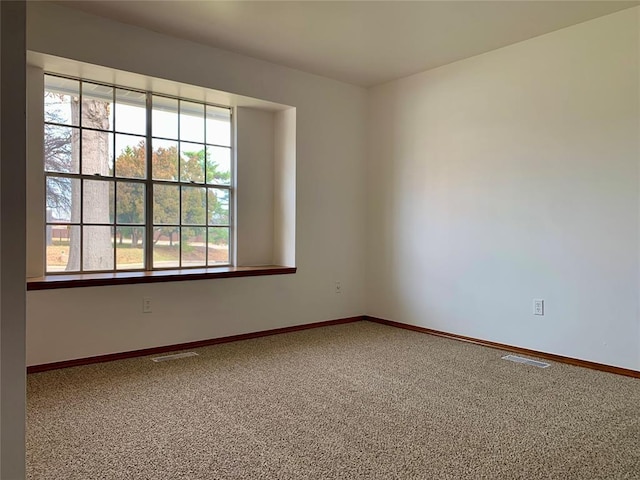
pixel 149 183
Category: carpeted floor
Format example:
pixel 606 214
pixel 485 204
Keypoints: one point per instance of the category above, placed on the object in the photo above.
pixel 355 401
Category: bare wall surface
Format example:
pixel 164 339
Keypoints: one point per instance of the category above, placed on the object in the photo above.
pixel 255 179
pixel 330 222
pixel 284 197
pixel 512 176
pixel 12 239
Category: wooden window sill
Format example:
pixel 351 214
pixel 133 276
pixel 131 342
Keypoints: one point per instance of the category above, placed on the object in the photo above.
pixel 127 278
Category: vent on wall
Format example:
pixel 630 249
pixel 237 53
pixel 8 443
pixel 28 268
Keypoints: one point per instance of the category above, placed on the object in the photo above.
pixel 526 361
pixel 174 356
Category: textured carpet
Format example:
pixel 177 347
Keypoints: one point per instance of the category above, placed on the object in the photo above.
pixel 355 401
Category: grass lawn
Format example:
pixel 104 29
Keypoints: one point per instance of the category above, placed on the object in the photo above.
pixel 126 254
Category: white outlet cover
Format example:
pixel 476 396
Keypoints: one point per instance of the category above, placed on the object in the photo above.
pixel 146 305
pixel 538 306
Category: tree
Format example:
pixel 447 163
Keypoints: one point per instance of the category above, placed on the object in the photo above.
pixel 57 154
pixel 130 196
pixel 98 250
pixel 131 162
pixel 193 169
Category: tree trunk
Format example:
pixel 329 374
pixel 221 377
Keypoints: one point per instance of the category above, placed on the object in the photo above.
pixel 73 263
pixel 97 241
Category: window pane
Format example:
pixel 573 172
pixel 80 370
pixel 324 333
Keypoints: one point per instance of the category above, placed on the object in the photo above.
pixel 218 165
pixel 61 239
pixel 192 121
pixel 60 143
pixel 193 246
pixel 131 112
pixel 164 117
pixel 61 97
pixel 131 156
pixel 218 246
pixel 97 153
pixel 166 244
pixel 218 126
pixel 193 206
pixel 165 160
pixel 130 248
pixel 97 106
pixel 97 201
pixel 97 248
pixel 63 200
pixel 218 206
pixel 97 222
pixel 166 204
pixel 192 162
pixel 130 203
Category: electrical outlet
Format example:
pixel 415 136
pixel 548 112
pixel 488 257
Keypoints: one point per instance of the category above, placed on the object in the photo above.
pixel 538 306
pixel 338 287
pixel 146 304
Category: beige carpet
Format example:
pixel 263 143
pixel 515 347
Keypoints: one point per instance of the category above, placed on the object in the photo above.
pixel 356 401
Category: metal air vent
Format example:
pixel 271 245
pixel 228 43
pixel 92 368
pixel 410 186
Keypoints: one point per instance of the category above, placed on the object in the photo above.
pixel 526 361
pixel 174 356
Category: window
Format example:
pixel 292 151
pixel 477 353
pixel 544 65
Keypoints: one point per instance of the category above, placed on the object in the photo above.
pixel 134 180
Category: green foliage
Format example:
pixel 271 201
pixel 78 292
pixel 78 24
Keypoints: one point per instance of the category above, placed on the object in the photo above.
pixel 219 236
pixel 131 163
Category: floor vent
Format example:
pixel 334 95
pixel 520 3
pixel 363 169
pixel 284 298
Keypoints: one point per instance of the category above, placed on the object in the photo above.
pixel 174 356
pixel 527 361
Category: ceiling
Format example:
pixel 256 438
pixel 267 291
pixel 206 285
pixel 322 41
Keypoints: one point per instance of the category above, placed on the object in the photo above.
pixel 360 42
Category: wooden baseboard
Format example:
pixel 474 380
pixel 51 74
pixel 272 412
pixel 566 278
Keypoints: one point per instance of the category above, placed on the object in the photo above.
pixel 184 346
pixel 509 348
pixel 246 336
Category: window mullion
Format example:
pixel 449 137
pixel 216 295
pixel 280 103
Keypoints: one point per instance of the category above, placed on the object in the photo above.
pixel 149 190
pixel 81 194
pixel 179 188
pixel 115 183
pixel 232 191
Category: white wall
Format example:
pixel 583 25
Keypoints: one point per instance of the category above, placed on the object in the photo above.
pixel 512 176
pixel 284 197
pixel 330 224
pixel 35 174
pixel 12 240
pixel 255 178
